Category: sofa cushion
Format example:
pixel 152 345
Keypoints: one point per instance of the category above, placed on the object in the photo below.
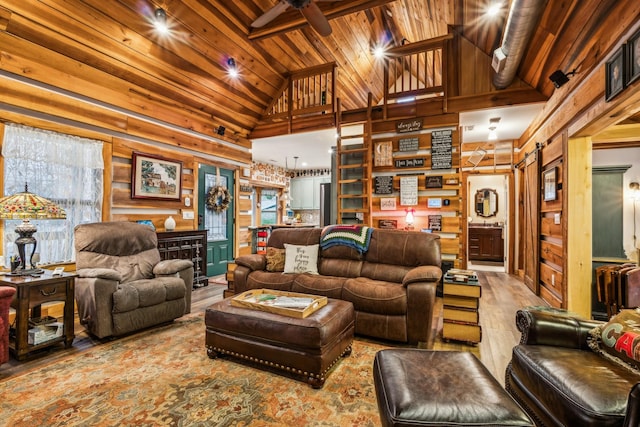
pixel 275 259
pixel 147 292
pixel 384 272
pixel 268 280
pixel 339 267
pixel 618 340
pixel 328 286
pixel 559 378
pixel 301 259
pixel 404 248
pixel 375 296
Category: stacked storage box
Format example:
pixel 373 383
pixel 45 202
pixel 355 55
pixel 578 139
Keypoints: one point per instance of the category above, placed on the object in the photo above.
pixel 461 300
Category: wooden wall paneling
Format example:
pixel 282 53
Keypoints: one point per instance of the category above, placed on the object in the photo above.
pixel 244 221
pixel 553 253
pixel 450 245
pixel 550 297
pixel 549 228
pixel 551 279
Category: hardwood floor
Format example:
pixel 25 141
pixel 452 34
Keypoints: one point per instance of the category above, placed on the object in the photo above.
pixel 502 296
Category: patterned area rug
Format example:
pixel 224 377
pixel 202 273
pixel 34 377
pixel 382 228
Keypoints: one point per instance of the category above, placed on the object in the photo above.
pixel 164 378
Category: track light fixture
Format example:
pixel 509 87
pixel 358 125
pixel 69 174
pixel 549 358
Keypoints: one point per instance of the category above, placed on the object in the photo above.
pixel 559 78
pixel 232 68
pixel 161 20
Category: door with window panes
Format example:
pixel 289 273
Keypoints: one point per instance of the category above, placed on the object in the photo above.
pixel 219 225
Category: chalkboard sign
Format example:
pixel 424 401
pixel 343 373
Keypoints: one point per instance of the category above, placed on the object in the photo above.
pixel 409 163
pixel 408 144
pixel 433 182
pixel 435 222
pixel 383 184
pixel 441 148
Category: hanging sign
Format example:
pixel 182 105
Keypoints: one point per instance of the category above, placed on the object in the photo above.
pixel 383 154
pixel 408 144
pixel 383 184
pixel 409 190
pixel 435 222
pixel 388 204
pixel 409 125
pixel 409 163
pixel 441 149
pixel 433 182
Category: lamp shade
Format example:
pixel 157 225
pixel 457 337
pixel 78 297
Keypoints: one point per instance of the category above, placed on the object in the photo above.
pixel 26 205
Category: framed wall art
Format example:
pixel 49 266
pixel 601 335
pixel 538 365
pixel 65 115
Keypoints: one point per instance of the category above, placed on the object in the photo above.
pixel 154 177
pixel 633 58
pixel 614 74
pixel 549 180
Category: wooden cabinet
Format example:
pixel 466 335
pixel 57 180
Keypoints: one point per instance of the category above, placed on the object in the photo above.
pixel 486 244
pixel 187 244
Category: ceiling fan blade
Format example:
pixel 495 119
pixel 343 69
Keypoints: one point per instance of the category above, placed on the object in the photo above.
pixel 316 19
pixel 270 15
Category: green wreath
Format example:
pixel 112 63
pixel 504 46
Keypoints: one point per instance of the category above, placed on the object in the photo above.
pixel 218 199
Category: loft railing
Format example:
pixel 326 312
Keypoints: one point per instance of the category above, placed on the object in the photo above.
pixel 305 92
pixel 415 70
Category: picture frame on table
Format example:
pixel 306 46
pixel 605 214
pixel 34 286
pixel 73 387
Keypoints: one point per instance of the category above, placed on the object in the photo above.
pixel 155 177
pixel 615 71
pixel 550 184
pixel 633 58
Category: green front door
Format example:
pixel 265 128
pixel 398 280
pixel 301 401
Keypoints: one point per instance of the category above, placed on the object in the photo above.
pixel 219 225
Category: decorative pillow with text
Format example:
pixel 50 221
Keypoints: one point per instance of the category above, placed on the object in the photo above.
pixel 275 259
pixel 618 339
pixel 301 259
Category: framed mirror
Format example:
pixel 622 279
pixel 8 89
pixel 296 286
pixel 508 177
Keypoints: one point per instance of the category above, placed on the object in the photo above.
pixel 486 202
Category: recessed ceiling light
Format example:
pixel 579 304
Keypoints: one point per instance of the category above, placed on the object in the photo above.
pixel 160 21
pixel 494 9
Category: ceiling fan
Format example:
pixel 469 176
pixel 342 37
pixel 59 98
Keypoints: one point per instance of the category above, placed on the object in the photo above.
pixel 309 10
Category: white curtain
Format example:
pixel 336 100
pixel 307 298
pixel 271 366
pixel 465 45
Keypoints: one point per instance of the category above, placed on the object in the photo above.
pixel 62 168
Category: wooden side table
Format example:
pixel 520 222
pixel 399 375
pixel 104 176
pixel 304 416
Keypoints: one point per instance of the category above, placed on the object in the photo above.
pixel 31 293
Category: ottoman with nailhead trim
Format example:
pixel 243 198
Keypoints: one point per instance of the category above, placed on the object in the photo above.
pixel 306 347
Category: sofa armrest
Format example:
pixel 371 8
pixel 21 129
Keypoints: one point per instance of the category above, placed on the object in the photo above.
pixel 632 416
pixel 253 262
pixel 424 273
pixel 421 301
pixel 540 327
pixel 99 273
pixel 169 267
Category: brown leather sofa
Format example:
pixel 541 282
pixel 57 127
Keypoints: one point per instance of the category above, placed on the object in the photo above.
pixel 392 285
pixel 560 381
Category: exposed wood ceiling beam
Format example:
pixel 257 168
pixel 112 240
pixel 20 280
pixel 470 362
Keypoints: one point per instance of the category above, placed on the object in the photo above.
pixel 293 19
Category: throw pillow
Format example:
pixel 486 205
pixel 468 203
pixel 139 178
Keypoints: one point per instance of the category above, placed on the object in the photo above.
pixel 301 259
pixel 275 259
pixel 617 340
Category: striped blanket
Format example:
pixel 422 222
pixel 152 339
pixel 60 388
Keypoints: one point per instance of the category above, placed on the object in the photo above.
pixel 355 236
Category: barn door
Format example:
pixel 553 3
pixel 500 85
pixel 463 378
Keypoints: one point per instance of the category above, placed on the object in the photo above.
pixel 530 228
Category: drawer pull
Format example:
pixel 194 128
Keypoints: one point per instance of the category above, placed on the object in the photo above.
pixel 48 294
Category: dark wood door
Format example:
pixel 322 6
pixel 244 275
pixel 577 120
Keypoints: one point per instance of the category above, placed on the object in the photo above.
pixel 531 224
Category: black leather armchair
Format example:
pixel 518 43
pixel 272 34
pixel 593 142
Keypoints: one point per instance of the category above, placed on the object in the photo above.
pixel 560 381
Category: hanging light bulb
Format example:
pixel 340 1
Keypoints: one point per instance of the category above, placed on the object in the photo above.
pixel 161 21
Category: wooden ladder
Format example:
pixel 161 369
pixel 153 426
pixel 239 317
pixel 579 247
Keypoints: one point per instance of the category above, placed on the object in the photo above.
pixel 354 169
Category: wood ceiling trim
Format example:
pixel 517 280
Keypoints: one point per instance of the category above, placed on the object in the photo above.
pixel 292 19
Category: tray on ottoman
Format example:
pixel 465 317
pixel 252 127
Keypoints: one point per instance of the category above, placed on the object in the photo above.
pixel 306 347
pixel 276 302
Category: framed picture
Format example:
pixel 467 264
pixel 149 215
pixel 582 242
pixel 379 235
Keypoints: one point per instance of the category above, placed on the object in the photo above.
pixel 614 74
pixel 550 184
pixel 633 58
pixel 154 177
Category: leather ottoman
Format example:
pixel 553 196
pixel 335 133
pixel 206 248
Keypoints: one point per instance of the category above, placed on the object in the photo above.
pixel 306 347
pixel 440 388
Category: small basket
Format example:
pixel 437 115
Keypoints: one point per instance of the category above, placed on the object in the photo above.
pixel 41 321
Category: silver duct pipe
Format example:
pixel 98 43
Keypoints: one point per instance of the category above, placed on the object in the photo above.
pixel 522 20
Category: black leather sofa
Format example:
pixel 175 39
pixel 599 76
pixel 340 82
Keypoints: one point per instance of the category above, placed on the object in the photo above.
pixel 560 381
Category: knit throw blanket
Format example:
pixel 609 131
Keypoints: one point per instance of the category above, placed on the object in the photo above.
pixel 355 236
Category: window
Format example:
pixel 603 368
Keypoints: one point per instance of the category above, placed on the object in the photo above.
pixel 65 169
pixel 268 207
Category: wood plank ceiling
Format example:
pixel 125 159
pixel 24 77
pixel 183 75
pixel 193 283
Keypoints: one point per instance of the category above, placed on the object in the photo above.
pixel 188 67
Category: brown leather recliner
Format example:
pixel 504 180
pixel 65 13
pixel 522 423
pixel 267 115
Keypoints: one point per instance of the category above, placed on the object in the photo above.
pixel 560 381
pixel 122 284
